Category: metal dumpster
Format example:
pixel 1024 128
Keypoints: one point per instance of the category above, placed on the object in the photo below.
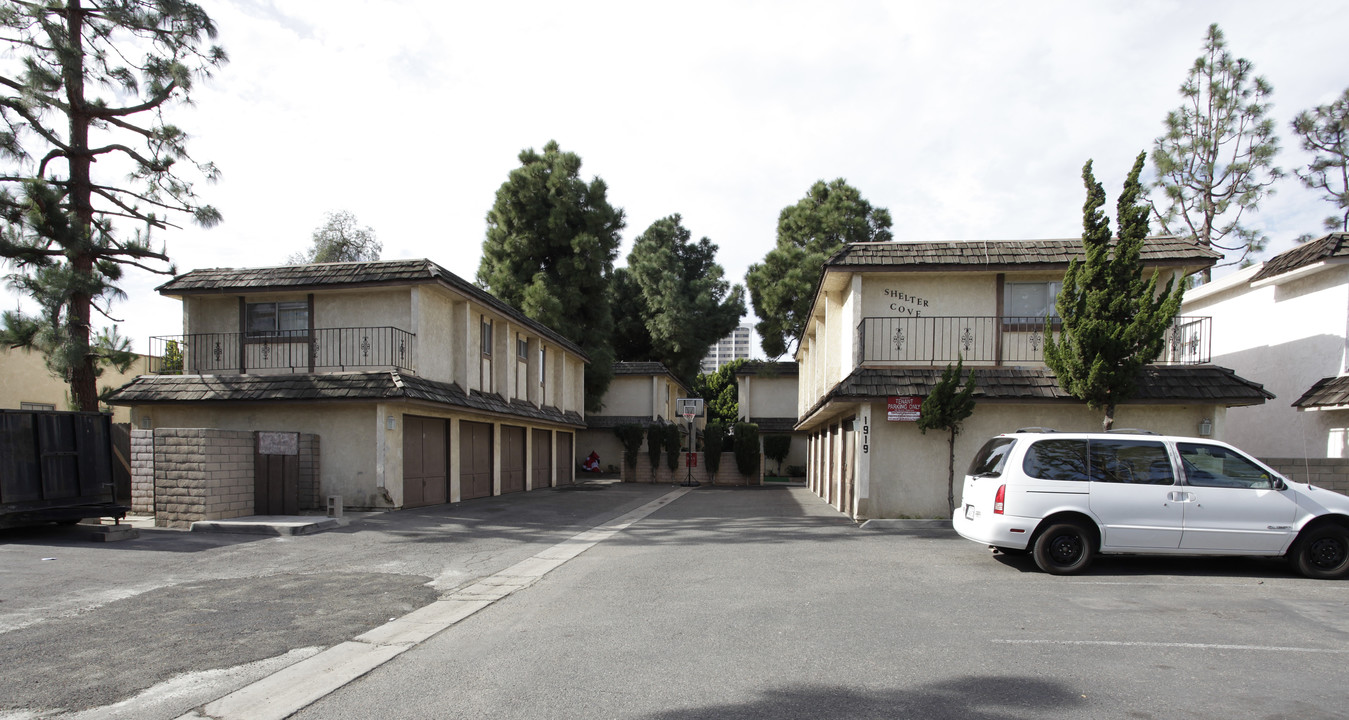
pixel 56 467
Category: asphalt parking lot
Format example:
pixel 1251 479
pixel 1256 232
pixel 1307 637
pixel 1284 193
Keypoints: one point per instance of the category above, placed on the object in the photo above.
pixel 757 603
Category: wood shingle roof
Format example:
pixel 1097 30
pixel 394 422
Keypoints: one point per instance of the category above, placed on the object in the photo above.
pixel 993 254
pixel 179 389
pixel 1331 392
pixel 1332 245
pixel 1159 383
pixel 320 276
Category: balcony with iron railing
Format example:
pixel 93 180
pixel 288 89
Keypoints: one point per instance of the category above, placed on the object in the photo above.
pixel 989 340
pixel 287 351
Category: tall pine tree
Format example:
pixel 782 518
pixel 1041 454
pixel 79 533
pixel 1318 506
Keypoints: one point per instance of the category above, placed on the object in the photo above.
pixel 781 287
pixel 1114 321
pixel 85 146
pixel 1325 133
pixel 551 242
pixel 683 301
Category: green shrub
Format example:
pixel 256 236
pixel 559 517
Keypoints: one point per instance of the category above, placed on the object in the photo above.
pixel 796 471
pixel 747 449
pixel 714 440
pixel 672 445
pixel 630 435
pixel 776 447
pixel 654 436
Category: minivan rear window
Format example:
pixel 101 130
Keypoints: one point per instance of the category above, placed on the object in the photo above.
pixel 1057 460
pixel 991 457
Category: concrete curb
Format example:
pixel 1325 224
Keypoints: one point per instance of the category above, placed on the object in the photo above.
pixel 888 524
pixel 269 525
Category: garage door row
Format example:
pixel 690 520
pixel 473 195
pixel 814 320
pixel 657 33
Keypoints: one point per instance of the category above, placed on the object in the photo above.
pixel 426 460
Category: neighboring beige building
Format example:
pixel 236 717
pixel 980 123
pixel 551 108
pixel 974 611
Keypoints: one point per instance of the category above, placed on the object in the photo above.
pixel 767 396
pixel 25 383
pixel 420 387
pixel 641 393
pixel 888 317
pixel 1285 322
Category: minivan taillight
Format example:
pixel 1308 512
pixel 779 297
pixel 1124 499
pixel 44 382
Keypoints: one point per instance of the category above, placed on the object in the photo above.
pixel 998 499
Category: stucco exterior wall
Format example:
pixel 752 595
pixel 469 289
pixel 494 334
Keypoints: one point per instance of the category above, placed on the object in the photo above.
pixel 905 471
pixel 347 434
pixel 766 396
pixel 24 379
pixel 1285 336
pixel 437 350
pixel 629 395
pixel 935 294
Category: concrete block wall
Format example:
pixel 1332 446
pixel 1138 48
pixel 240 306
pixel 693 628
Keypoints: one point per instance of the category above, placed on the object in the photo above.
pixel 202 474
pixel 1329 473
pixel 727 474
pixel 143 472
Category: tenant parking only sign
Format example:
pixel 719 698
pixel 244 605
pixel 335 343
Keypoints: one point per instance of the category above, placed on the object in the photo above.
pixel 903 408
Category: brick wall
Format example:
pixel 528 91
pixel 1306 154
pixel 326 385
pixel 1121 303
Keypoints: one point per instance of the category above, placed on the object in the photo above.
pixel 182 475
pixel 202 474
pixel 143 472
pixel 727 474
pixel 1329 473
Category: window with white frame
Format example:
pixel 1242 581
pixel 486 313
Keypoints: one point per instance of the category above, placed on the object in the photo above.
pixel 276 319
pixel 1030 302
pixel 486 336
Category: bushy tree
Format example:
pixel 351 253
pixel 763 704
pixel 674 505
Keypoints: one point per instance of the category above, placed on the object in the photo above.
pixel 631 340
pixel 550 248
pixel 720 393
pixel 1325 133
pixel 1216 160
pixel 630 435
pixel 1114 322
pixel 714 442
pixel 340 239
pixel 747 449
pixel 85 146
pixel 781 288
pixel 945 408
pixel 655 438
pixel 673 442
pixel 776 447
pixel 682 301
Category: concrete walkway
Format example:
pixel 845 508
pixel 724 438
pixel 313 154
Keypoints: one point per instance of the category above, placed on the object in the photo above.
pixel 297 686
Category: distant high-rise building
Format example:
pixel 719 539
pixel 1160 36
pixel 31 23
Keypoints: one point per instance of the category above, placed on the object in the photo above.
pixel 732 347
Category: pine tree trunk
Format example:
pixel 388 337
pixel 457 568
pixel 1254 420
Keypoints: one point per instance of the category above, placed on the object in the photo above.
pixel 82 374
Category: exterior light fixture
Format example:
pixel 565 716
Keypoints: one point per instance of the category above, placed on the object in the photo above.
pixel 1205 427
pixel 390 423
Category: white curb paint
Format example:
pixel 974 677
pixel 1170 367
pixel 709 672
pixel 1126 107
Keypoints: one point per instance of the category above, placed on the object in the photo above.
pixel 281 695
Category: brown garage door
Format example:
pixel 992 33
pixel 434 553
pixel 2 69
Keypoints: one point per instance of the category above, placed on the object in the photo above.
pixel 542 469
pixel 475 460
pixel 566 464
pixel 512 459
pixel 426 478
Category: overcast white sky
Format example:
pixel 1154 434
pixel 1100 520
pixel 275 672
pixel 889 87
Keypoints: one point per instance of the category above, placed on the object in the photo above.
pixel 968 121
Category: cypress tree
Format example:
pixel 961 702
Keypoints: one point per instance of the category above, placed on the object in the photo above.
pixel 945 408
pixel 1113 321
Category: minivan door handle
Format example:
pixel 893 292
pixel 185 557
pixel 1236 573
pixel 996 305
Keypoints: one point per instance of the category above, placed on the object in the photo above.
pixel 1177 496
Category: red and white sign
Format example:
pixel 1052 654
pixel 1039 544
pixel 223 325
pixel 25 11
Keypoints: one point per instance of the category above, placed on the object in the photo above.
pixel 903 408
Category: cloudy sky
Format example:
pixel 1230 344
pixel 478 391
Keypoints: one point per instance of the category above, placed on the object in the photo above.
pixel 968 123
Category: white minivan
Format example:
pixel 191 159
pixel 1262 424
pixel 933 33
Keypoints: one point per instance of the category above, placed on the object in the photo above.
pixel 1064 497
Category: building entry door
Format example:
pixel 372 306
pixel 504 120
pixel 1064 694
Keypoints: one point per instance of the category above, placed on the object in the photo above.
pixel 276 473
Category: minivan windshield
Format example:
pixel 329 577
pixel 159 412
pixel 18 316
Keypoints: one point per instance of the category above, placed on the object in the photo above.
pixel 991 457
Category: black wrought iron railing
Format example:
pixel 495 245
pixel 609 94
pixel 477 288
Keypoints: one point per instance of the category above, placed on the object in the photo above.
pixel 998 340
pixel 296 351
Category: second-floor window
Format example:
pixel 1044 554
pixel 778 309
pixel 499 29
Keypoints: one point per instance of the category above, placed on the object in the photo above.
pixel 522 349
pixel 1030 302
pixel 276 319
pixel 486 338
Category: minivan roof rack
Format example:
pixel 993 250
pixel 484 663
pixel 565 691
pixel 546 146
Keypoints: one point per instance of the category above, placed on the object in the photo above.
pixel 1132 431
pixel 1036 430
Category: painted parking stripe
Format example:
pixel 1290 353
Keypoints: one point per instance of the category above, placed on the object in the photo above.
pixel 293 688
pixel 1186 646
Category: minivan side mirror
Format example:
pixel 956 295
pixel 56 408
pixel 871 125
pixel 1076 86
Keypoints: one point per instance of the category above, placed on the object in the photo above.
pixel 1279 484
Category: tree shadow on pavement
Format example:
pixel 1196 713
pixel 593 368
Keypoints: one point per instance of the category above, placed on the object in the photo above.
pixel 968 698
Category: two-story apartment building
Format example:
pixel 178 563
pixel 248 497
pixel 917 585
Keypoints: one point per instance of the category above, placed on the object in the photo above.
pixel 888 317
pixel 641 393
pixel 1285 322
pixel 420 387
pixel 766 395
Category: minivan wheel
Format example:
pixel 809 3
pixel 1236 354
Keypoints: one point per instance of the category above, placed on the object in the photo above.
pixel 1323 552
pixel 1064 548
